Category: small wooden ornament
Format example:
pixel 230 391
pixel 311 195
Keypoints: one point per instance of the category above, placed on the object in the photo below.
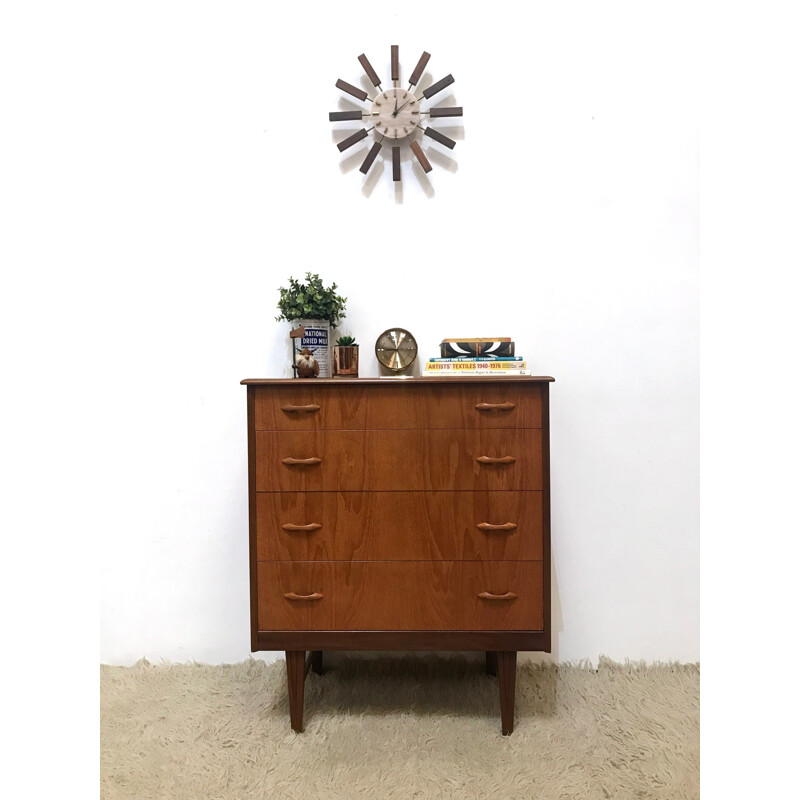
pixel 307 365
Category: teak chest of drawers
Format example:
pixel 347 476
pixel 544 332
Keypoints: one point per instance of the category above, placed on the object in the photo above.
pixel 399 515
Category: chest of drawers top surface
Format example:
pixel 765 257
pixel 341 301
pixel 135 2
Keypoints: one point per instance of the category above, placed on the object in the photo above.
pixel 397 381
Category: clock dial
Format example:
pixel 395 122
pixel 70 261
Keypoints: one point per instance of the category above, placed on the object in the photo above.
pixel 395 115
pixel 396 349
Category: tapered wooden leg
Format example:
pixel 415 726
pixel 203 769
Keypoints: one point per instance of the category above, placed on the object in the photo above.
pixel 316 662
pixel 491 662
pixel 296 675
pixel 507 677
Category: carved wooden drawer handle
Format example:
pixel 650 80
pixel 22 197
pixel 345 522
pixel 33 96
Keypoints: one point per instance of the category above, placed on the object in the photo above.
pixel 293 596
pixel 312 526
pixel 490 596
pixel 491 460
pixel 504 528
pixel 302 461
pixel 311 407
pixel 495 406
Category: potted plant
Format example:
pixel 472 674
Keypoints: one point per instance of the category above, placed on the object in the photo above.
pixel 345 358
pixel 318 309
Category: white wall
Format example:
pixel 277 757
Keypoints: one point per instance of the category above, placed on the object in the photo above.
pixel 567 219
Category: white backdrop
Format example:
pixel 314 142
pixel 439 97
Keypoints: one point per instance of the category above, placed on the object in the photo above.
pixel 566 217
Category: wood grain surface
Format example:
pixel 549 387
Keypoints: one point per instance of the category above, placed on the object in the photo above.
pixel 351 140
pixel 388 526
pixel 371 156
pixel 360 94
pixel 507 677
pixel 418 70
pixel 371 74
pixel 438 136
pixel 403 640
pixel 397 460
pixel 406 380
pixel 421 157
pixel 295 676
pixel 400 595
pixel 276 612
pixel 400 516
pixel 447 111
pixel 398 406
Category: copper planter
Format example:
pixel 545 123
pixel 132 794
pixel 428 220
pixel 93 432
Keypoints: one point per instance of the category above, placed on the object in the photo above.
pixel 345 361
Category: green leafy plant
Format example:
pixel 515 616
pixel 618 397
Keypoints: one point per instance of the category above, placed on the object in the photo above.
pixel 311 300
pixel 346 341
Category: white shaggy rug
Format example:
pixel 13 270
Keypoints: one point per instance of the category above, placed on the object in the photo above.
pixel 399 726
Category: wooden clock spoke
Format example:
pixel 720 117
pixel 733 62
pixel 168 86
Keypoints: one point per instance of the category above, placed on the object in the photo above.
pixel 360 94
pixel 341 116
pixel 450 111
pixel 438 86
pixel 419 69
pixel 440 137
pixel 395 164
pixel 371 156
pixel 395 62
pixel 351 140
pixel 421 157
pixel 371 74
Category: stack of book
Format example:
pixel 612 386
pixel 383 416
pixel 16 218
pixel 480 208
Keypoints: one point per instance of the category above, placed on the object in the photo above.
pixel 492 356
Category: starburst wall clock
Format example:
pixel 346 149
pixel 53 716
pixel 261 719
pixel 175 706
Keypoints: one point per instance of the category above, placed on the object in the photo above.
pixel 395 116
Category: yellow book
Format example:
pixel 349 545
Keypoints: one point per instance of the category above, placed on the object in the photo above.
pixel 475 366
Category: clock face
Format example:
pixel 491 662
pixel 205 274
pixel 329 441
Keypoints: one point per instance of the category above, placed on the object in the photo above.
pixel 396 349
pixel 395 113
pixel 395 116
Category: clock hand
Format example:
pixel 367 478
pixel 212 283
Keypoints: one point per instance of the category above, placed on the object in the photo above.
pixel 404 104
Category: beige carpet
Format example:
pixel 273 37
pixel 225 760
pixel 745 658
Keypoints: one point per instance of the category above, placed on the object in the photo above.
pixel 404 726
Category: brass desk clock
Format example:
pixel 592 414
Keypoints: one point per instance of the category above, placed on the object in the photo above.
pixel 396 350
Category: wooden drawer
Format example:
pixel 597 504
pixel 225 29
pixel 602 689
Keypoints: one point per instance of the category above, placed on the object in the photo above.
pixel 372 526
pixel 307 407
pixel 304 578
pixel 396 460
pixel 401 595
pixel 393 406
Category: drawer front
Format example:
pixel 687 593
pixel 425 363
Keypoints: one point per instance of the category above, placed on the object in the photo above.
pixel 397 460
pixel 401 595
pixel 484 586
pixel 310 407
pixel 372 526
pixel 287 595
pixel 321 407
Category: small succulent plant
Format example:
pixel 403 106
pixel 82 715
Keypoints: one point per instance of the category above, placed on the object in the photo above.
pixel 346 341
